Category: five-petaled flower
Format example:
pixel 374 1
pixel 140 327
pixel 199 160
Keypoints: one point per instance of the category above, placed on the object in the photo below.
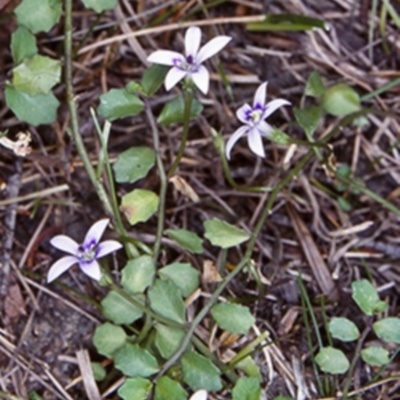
pixel 253 120
pixel 85 254
pixel 189 66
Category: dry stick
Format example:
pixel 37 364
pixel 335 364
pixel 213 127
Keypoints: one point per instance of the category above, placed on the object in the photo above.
pixel 14 183
pixel 247 256
pixel 171 27
pixel 35 195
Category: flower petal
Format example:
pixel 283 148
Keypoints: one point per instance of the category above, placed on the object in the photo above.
pixel 243 112
pixel 192 41
pixel 60 266
pixel 234 138
pixel 91 269
pixel 199 395
pixel 95 232
pixel 212 47
pixel 260 96
pixel 255 142
pixel 107 247
pixel 173 77
pixel 273 106
pixel 165 57
pixel 264 128
pixel 65 243
pixel 201 78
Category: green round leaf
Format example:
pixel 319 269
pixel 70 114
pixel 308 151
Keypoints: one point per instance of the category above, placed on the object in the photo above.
pixel 340 100
pixel 100 5
pixel 278 136
pixel 200 373
pixel 343 329
pixel 186 239
pixel 233 317
pixel 138 274
pixel 173 111
pixel 35 110
pixel 153 78
pixel 139 205
pixel 134 361
pixel 332 360
pixel 168 389
pixel 38 15
pixel 135 389
pixel 36 75
pixel 314 87
pixel 133 164
pixel 308 118
pixel 23 45
pixel 249 367
pixel 107 338
pixel 119 310
pixel 183 275
pixel 375 355
pixel 168 339
pixel 119 103
pixel 388 329
pixel 224 235
pixel 246 389
pixel 366 297
pixel 99 372
pixel 165 299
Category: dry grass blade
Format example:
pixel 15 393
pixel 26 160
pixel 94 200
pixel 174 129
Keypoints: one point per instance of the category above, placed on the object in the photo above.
pixel 89 382
pixel 314 258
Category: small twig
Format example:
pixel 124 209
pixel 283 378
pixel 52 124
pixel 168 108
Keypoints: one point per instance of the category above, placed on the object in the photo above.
pixel 13 186
pixel 171 27
pixel 35 195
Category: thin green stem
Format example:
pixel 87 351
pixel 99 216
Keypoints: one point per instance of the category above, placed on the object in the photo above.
pixel 130 248
pixel 246 258
pixel 163 183
pixel 357 353
pixel 188 98
pixel 308 335
pixel 75 132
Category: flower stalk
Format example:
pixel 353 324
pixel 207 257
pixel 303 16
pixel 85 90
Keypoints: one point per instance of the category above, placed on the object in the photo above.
pixel 188 99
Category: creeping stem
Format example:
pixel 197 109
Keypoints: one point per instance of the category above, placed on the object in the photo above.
pixel 163 183
pixel 74 114
pixel 247 256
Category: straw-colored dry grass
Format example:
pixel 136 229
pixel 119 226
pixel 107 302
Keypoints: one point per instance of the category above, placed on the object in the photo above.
pixel 44 327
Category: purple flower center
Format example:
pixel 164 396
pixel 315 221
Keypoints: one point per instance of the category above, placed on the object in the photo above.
pixel 87 252
pixel 254 115
pixel 187 65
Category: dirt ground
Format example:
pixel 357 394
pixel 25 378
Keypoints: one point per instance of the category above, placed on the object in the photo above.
pixel 42 327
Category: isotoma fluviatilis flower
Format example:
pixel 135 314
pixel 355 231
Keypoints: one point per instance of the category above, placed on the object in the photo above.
pixel 199 395
pixel 85 254
pixel 253 118
pixel 189 65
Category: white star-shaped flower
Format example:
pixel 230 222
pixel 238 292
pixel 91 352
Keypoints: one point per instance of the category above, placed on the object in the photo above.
pixel 189 65
pixel 253 118
pixel 85 254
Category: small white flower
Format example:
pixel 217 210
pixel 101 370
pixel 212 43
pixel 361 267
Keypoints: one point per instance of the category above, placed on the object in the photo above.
pixel 85 254
pixel 253 118
pixel 190 64
pixel 199 395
